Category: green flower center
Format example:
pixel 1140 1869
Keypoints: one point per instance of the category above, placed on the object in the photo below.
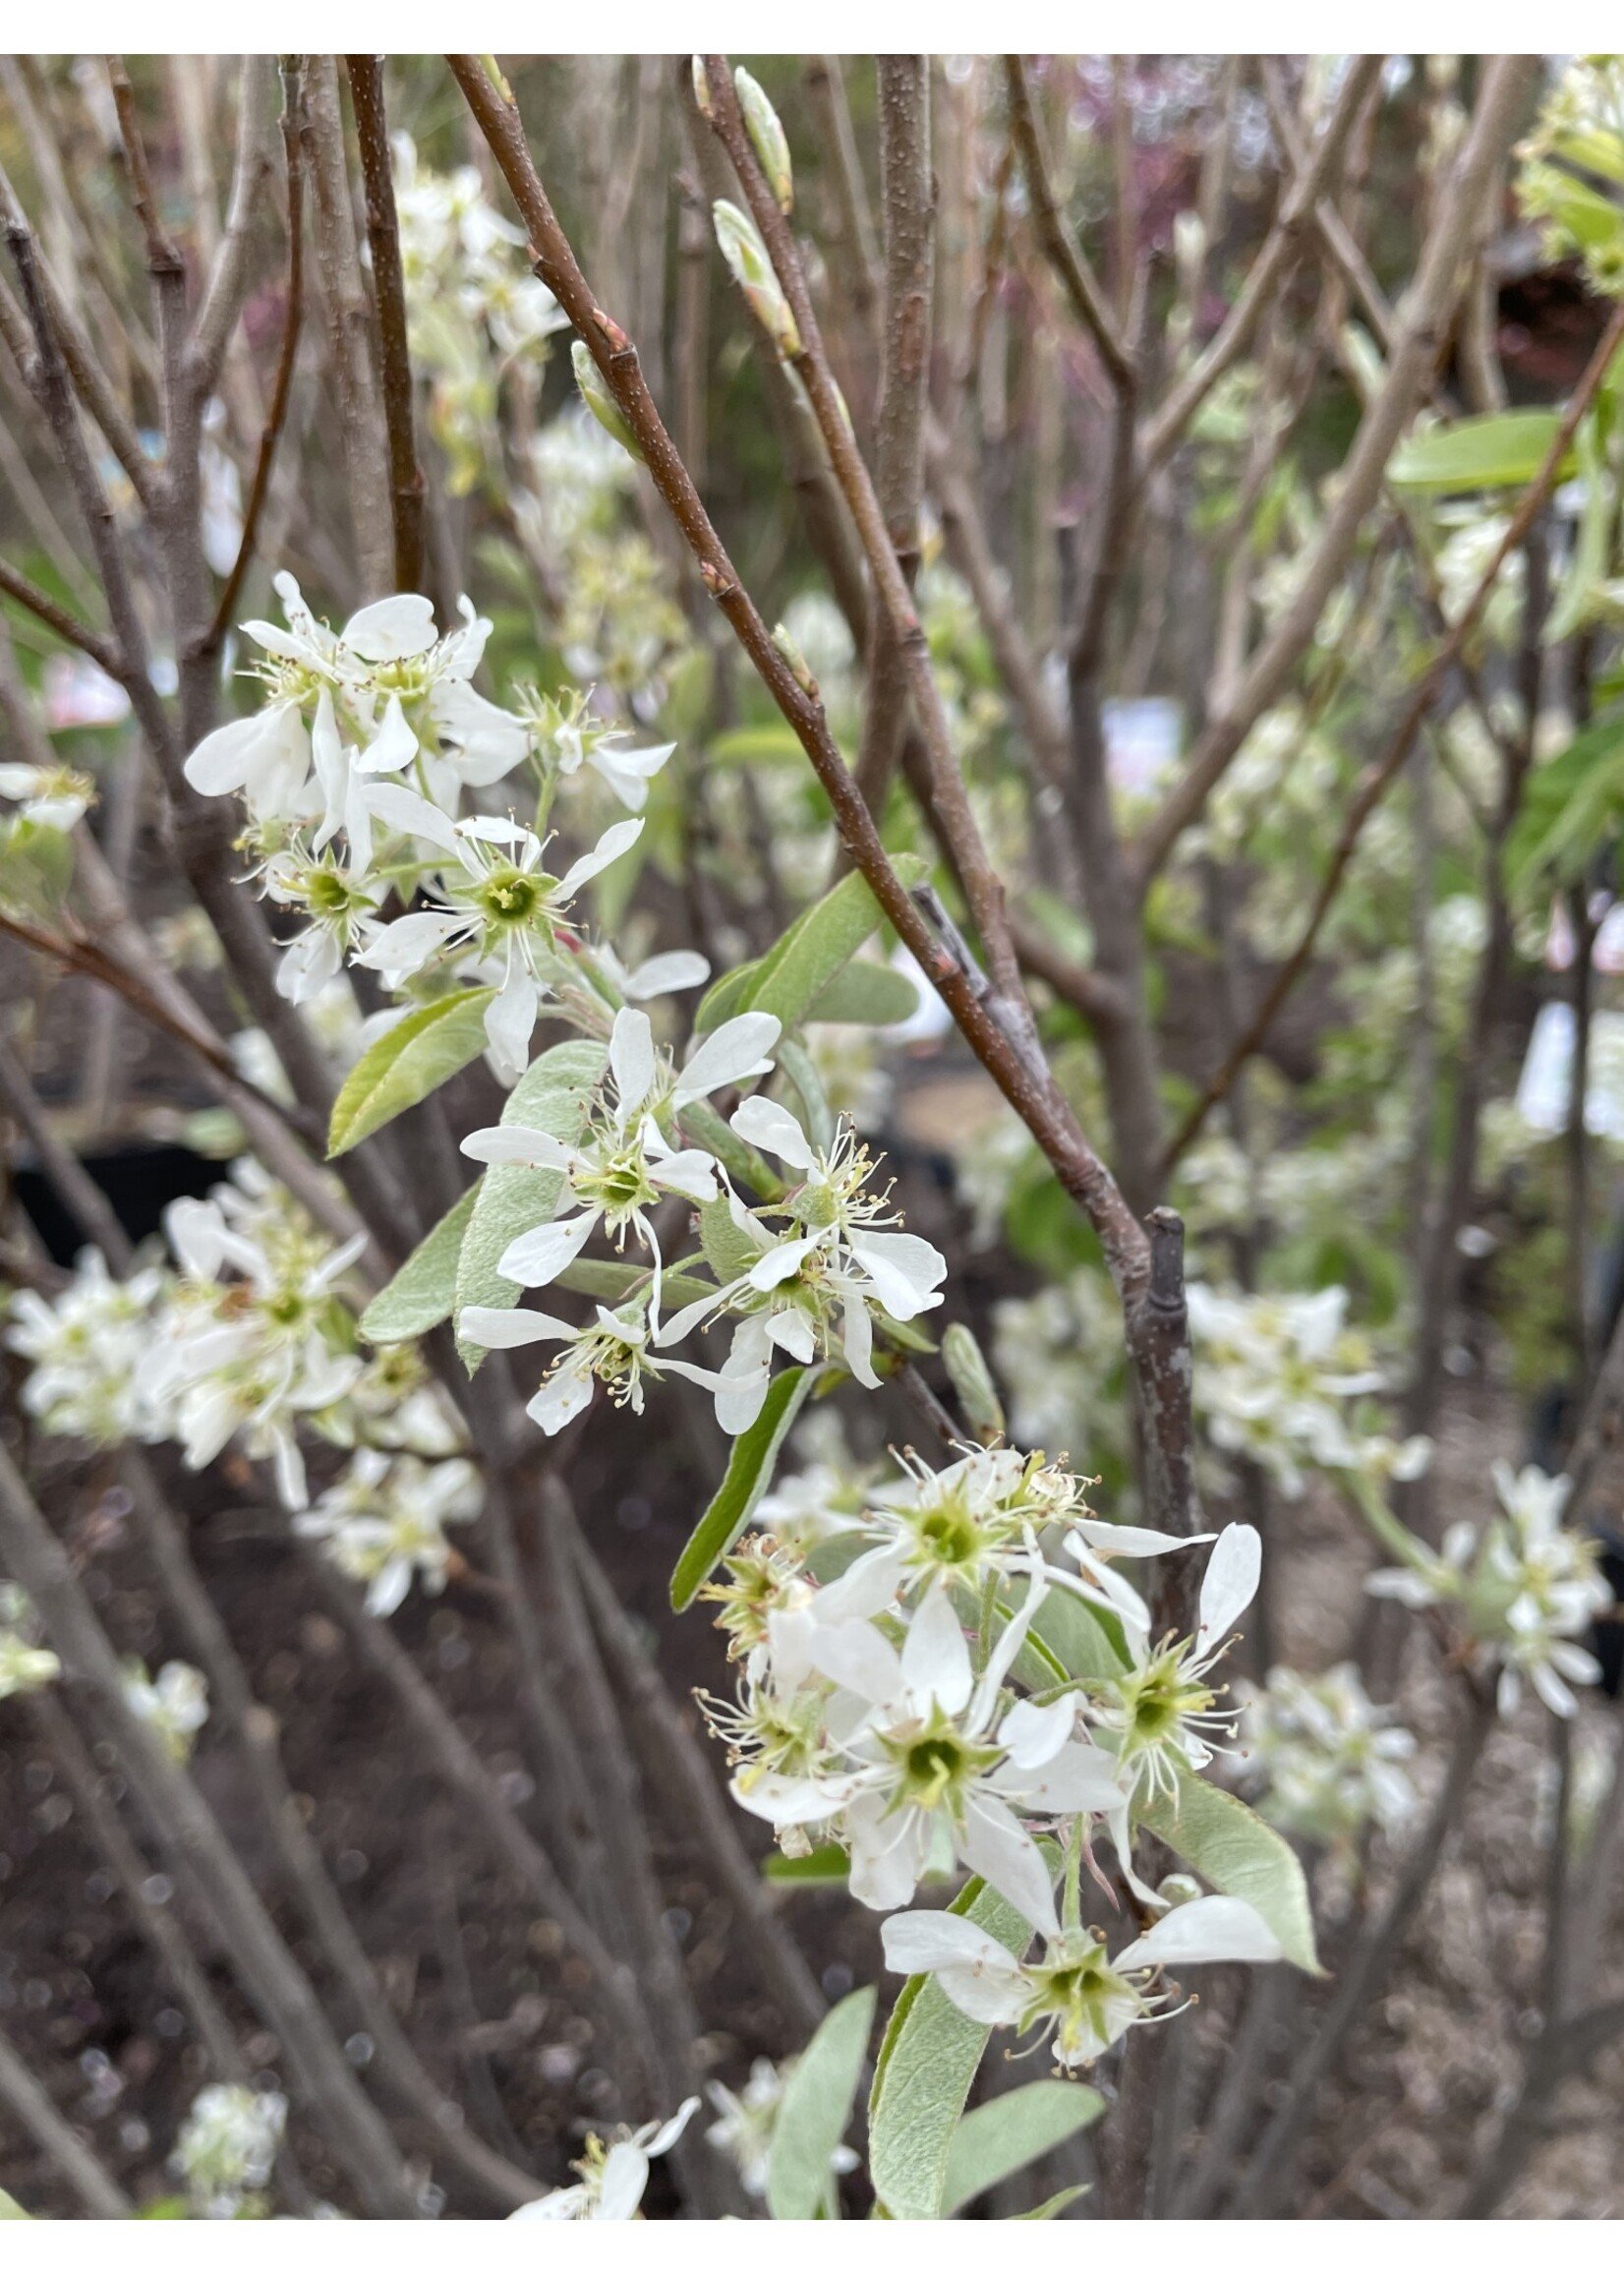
pixel 937 1763
pixel 510 897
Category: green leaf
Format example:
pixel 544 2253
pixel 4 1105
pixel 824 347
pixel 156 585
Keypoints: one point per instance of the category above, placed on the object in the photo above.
pixel 926 2065
pixel 819 944
pixel 865 994
pixel 10 2207
pixel 829 1866
pixel 1570 807
pixel 1238 1854
pixel 1501 451
pixel 613 1283
pixel 728 998
pixel 726 1250
pixel 755 1456
pixel 1088 1642
pixel 552 1095
pixel 421 1293
pixel 816 2108
pixel 402 1066
pixel 1054 2204
pixel 1005 2135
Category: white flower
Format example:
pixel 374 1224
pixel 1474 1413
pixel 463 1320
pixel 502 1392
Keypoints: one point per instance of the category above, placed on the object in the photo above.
pixel 50 796
pixel 1076 1995
pixel 614 1349
pixel 23 1666
pixel 176 1704
pixel 383 1522
pixel 227 2146
pixel 918 1742
pixel 834 1257
pixel 747 2119
pixel 85 1346
pixel 623 1162
pixel 1326 1759
pixel 507 905
pixel 612 2178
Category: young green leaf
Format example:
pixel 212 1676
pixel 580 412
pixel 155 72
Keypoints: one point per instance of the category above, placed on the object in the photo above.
pixel 10 2207
pixel 1005 2135
pixel 828 1866
pixel 421 1293
pixel 865 995
pixel 1054 2204
pixel 755 1456
pixel 922 2077
pixel 405 1065
pixel 552 1095
pixel 816 2108
pixel 820 943
pixel 1238 1854
pixel 1571 805
pixel 1501 451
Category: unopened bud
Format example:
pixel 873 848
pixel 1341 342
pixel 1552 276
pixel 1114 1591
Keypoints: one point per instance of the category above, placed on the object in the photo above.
pixel 972 1381
pixel 1179 1888
pixel 746 255
pixel 702 88
pixel 797 662
pixel 599 401
pixel 767 134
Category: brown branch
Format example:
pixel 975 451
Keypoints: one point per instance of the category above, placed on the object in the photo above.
pixel 1379 777
pixel 1083 1173
pixel 162 252
pixel 371 134
pixel 1066 256
pixel 1417 344
pixel 282 388
pixel 61 621
pixel 228 286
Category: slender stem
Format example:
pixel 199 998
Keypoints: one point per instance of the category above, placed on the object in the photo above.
pixel 34 2109
pixel 371 134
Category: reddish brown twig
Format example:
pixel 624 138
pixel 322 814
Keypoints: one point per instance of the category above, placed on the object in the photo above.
pixel 61 621
pixel 282 387
pixel 371 134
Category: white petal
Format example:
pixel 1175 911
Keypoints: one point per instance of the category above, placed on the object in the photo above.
pixel 609 847
pixel 759 1122
pixel 858 1341
pixel 406 943
pixel 905 1270
pixel 919 1942
pixel 667 974
pixel 859 1659
pixel 1132 1538
pixel 510 1020
pixel 1034 1735
pixel 625 2176
pixel 559 1399
pixel 535 1258
pixel 780 1263
pixel 936 1658
pixel 510 1329
pixel 514 1145
pixel 631 1060
pixel 1228 1583
pixel 993 1843
pixel 732 1054
pixel 671 2131
pixel 692 1174
pixel 388 629
pixel 394 746
pixel 1210 1931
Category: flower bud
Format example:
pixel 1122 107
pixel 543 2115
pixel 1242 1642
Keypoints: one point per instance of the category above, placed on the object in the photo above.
pixel 972 1381
pixel 746 255
pixel 599 401
pixel 762 122
pixel 797 662
pixel 702 88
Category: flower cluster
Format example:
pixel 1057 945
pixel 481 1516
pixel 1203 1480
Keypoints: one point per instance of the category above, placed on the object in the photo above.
pixel 227 2149
pixel 907 1710
pixel 807 1274
pixel 1524 1587
pixel 1279 1381
pixel 746 2120
pixel 353 771
pixel 83 1350
pixel 1323 1760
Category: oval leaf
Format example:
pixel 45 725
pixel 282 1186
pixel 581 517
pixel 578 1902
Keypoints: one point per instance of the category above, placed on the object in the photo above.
pixel 402 1066
pixel 816 2107
pixel 1238 1854
pixel 755 1456
pixel 421 1293
pixel 1499 453
pixel 923 2076
pixel 1011 2131
pixel 819 944
pixel 552 1095
pixel 866 995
